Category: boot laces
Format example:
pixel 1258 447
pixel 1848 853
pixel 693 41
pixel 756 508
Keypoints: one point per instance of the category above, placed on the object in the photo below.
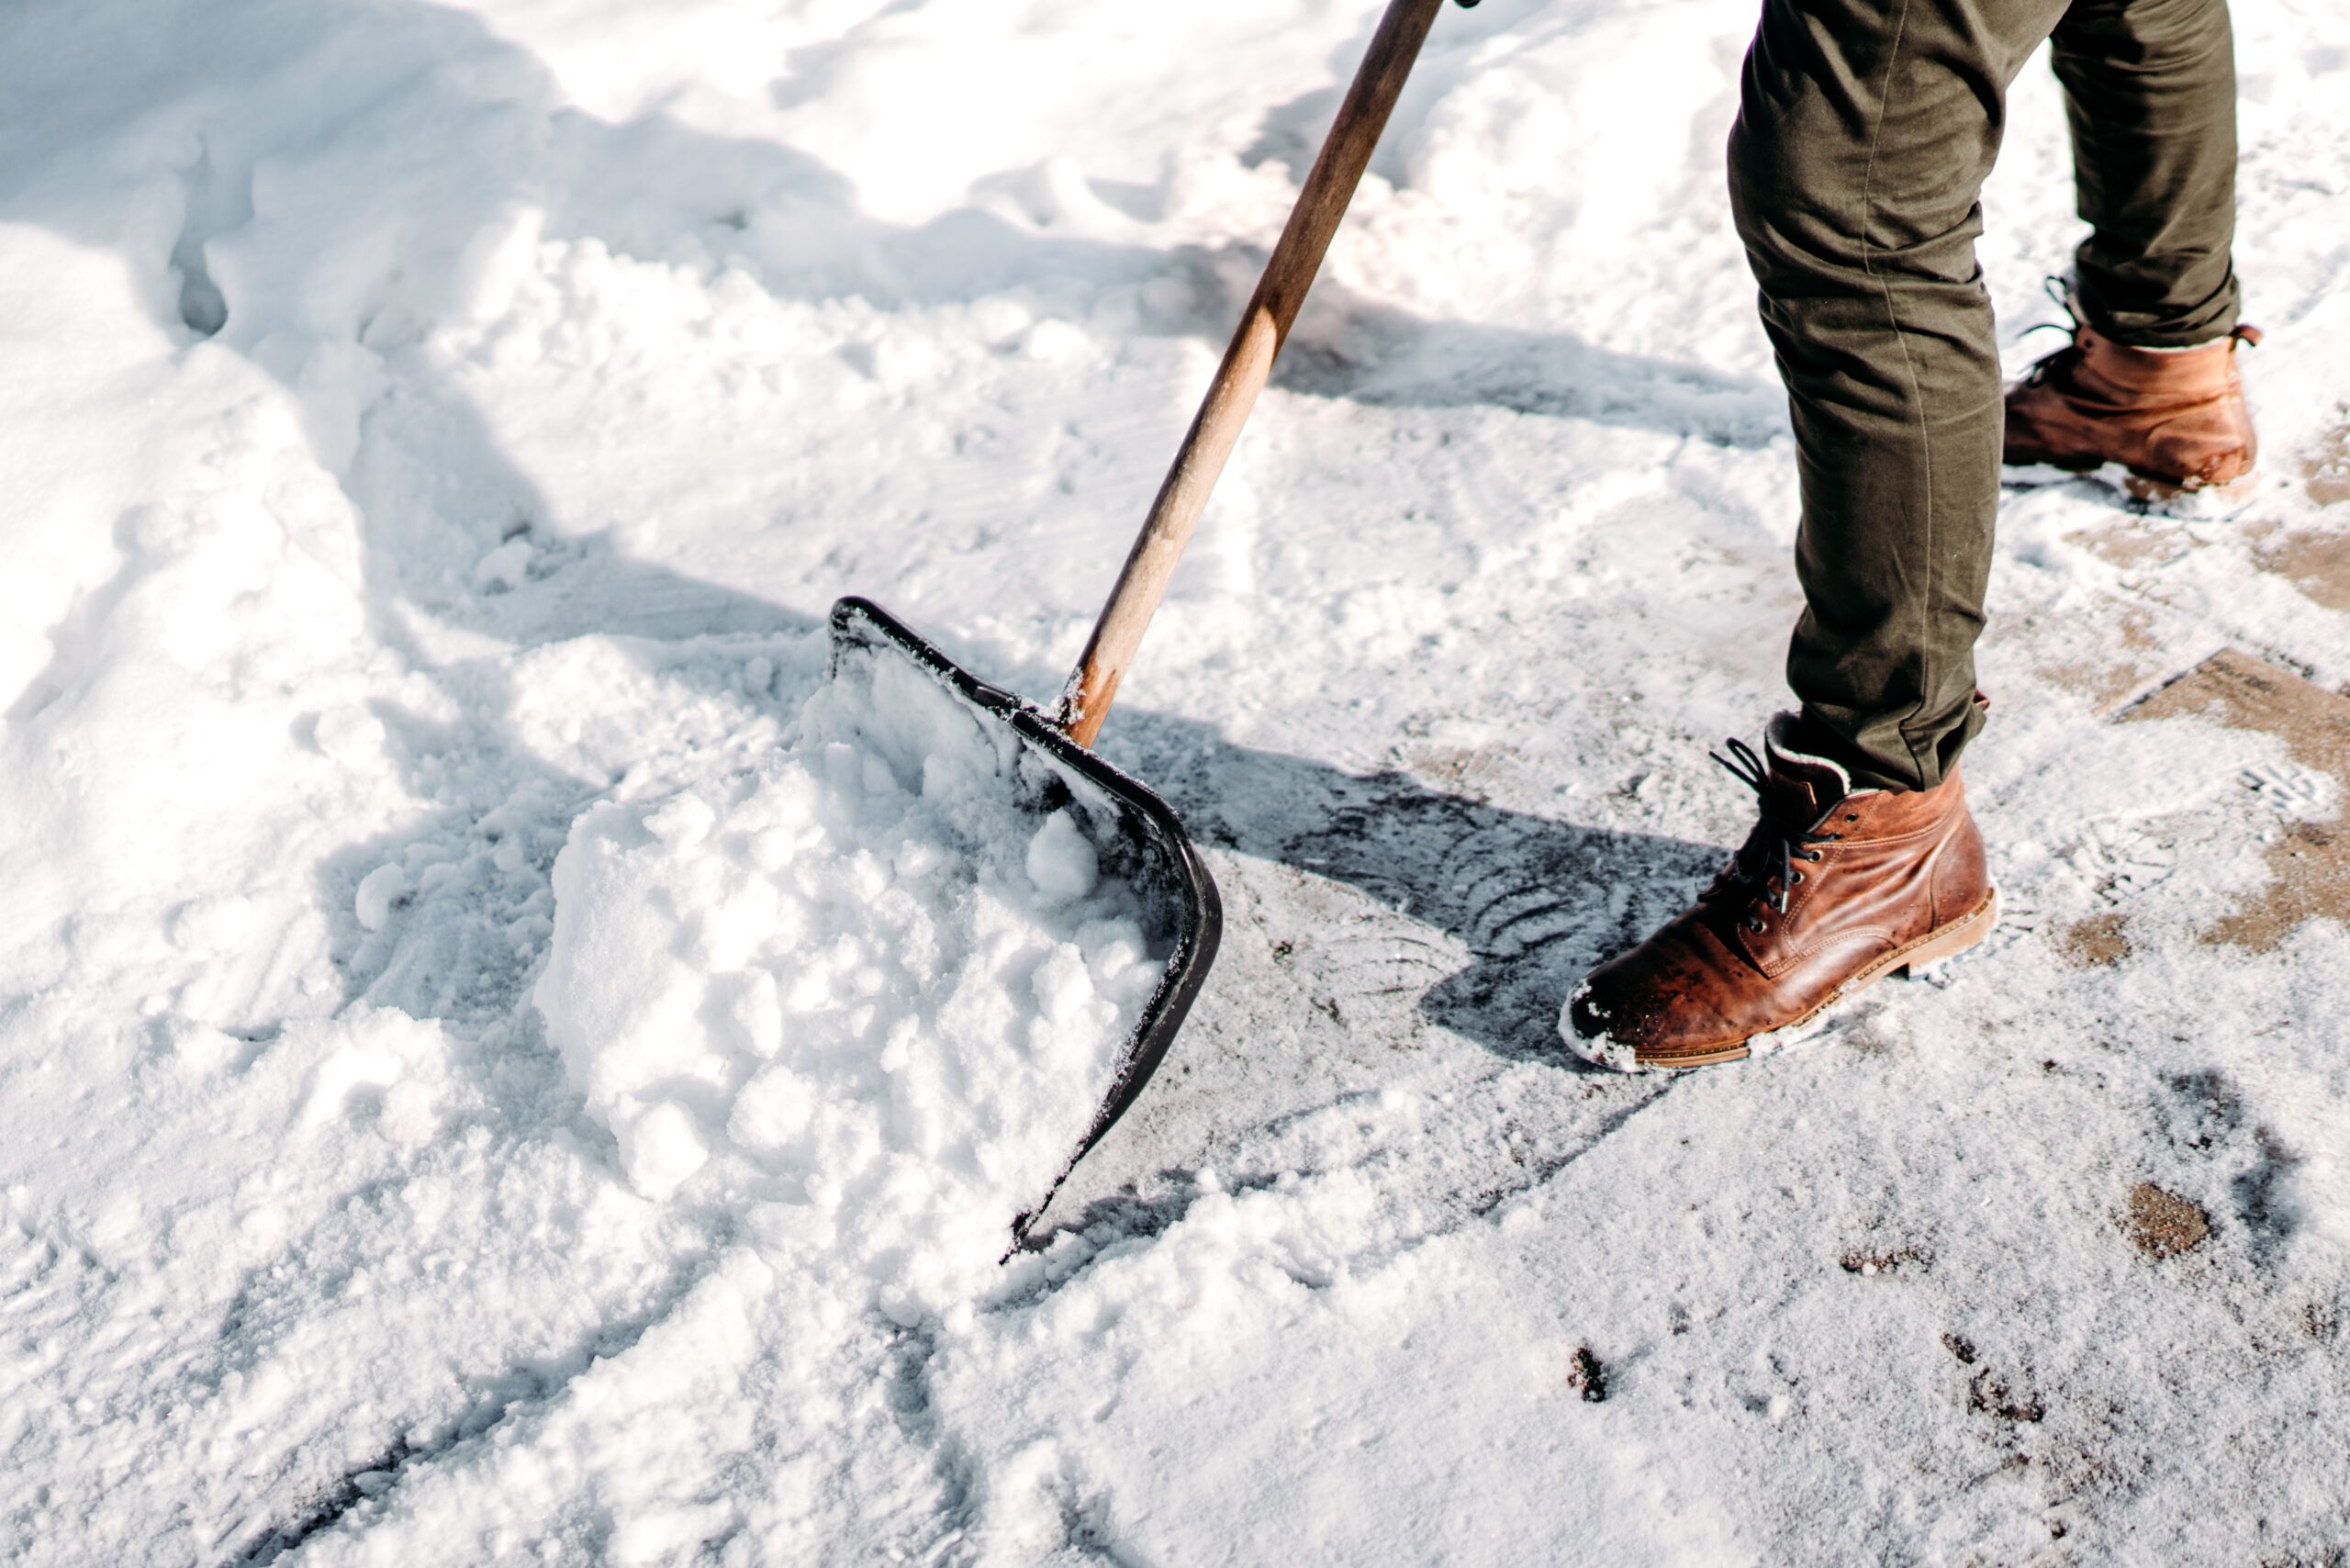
pixel 1777 842
pixel 2062 359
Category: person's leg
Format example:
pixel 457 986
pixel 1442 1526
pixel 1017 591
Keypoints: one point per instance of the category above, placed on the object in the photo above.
pixel 2149 89
pixel 2149 383
pixel 1865 132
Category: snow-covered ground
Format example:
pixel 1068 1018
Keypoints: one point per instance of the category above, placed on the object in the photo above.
pixel 424 426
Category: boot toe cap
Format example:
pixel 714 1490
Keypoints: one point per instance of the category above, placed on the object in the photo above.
pixel 1588 1024
pixel 1645 1011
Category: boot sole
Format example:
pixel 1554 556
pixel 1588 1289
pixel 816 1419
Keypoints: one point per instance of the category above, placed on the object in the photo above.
pixel 2203 502
pixel 1935 948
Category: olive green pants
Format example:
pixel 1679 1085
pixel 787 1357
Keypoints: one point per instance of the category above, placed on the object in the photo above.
pixel 1865 132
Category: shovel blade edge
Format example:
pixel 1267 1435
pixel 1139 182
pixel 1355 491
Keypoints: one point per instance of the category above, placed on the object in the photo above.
pixel 1149 848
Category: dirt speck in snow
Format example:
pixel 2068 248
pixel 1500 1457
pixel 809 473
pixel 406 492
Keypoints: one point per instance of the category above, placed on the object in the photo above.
pixel 1988 1394
pixel 2098 941
pixel 1587 1377
pixel 2162 1225
pixel 1874 1263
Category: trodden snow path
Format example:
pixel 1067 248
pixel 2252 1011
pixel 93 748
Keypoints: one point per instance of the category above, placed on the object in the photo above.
pixel 425 425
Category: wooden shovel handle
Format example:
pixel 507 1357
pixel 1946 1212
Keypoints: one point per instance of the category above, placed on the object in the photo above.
pixel 1264 326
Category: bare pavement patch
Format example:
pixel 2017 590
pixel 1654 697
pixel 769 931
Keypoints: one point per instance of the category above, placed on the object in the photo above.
pixel 2309 861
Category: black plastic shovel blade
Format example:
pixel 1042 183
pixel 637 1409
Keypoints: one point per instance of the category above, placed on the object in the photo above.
pixel 1143 845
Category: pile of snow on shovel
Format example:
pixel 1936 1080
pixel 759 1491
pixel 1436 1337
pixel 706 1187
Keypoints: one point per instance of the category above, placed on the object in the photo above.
pixel 866 992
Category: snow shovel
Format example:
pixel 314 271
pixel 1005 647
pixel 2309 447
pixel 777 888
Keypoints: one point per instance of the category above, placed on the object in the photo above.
pixel 1149 848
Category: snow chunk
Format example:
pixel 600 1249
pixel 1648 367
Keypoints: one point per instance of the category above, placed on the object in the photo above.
pixel 1060 862
pixel 1053 340
pixel 382 1068
pixel 1061 986
pixel 661 1149
pixel 505 568
pixel 350 736
pixel 683 822
pixel 378 890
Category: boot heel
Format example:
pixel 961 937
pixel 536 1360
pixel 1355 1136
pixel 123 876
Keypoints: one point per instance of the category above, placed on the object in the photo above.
pixel 1942 945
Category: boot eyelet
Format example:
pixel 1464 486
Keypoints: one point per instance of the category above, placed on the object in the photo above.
pixel 1797 877
pixel 1813 854
pixel 1755 924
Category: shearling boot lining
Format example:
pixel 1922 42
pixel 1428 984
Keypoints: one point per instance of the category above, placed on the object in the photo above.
pixel 1779 740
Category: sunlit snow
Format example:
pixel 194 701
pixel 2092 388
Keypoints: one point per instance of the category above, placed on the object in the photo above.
pixel 432 1122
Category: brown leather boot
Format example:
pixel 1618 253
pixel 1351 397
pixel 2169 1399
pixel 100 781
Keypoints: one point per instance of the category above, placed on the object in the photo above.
pixel 2173 418
pixel 1835 889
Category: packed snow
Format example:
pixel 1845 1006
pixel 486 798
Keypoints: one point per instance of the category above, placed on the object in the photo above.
pixel 435 433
